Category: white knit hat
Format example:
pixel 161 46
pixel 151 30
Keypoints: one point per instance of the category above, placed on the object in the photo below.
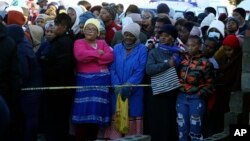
pixel 219 25
pixel 132 28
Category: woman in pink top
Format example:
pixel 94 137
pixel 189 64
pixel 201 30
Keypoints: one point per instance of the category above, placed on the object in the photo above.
pixel 91 107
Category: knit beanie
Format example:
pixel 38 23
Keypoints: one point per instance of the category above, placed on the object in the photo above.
pixel 111 10
pixel 234 20
pixel 15 17
pixel 85 16
pixel 241 11
pixel 132 28
pixel 163 8
pixel 95 22
pixel 219 25
pixel 169 29
pixel 232 41
pixel 42 16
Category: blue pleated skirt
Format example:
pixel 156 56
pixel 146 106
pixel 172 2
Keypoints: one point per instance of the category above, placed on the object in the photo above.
pixel 92 104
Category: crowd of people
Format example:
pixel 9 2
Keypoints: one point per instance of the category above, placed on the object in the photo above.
pixel 106 51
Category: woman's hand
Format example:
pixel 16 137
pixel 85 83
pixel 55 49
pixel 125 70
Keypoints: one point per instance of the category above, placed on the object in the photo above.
pixel 171 62
pixel 101 52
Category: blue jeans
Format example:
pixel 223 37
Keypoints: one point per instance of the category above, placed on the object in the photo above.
pixel 190 110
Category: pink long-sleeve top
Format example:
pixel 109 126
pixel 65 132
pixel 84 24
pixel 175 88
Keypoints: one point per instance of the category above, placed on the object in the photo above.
pixel 88 58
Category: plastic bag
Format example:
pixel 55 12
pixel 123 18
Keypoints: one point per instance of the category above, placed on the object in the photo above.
pixel 121 115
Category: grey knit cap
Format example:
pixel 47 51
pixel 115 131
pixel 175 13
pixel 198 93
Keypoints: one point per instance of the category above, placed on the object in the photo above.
pixel 112 10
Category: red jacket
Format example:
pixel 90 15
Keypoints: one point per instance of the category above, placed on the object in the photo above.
pixel 110 31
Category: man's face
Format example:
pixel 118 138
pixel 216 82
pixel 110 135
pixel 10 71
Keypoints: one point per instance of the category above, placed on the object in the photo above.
pixel 166 39
pixel 231 27
pixel 237 16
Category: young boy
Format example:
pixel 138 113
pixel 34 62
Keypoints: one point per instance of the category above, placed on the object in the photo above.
pixel 196 77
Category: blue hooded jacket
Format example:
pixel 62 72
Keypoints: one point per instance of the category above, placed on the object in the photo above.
pixel 29 68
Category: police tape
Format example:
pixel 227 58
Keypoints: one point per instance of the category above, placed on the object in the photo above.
pixel 105 86
pixel 82 87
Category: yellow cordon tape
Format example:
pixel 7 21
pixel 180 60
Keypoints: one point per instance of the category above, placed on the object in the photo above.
pixel 81 87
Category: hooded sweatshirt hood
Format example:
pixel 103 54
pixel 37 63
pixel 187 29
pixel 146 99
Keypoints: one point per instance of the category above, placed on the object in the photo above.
pixel 78 11
pixel 219 25
pixel 36 33
pixel 16 32
pixel 15 17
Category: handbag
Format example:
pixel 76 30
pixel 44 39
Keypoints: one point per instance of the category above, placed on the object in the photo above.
pixel 165 81
pixel 121 115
